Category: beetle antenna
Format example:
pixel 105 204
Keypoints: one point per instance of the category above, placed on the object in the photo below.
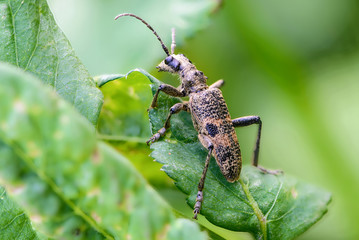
pixel 149 26
pixel 173 44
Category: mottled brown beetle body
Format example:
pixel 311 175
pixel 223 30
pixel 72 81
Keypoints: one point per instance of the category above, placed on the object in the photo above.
pixel 210 116
pixel 211 119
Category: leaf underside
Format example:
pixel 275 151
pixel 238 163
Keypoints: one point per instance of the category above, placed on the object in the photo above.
pixel 266 205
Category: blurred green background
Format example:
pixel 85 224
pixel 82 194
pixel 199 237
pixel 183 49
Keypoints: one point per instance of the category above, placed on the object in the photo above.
pixel 293 63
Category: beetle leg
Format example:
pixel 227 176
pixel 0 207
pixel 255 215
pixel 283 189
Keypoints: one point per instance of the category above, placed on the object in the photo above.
pixel 249 120
pixel 168 89
pixel 246 121
pixel 199 199
pixel 217 84
pixel 173 110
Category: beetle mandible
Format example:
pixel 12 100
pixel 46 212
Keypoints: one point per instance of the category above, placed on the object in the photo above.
pixel 209 112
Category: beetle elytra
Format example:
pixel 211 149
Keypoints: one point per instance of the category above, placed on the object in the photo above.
pixel 209 112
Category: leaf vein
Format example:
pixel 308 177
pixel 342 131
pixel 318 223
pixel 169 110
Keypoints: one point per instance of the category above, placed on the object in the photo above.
pixel 12 220
pixel 20 231
pixel 57 61
pixel 17 10
pixel 284 214
pixel 77 210
pixel 14 33
pixel 275 200
pixel 36 43
pixel 256 209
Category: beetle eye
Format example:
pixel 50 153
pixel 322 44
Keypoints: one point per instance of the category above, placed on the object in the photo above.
pixel 173 63
pixel 168 59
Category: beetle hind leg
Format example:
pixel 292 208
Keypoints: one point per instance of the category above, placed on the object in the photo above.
pixel 246 121
pixel 249 120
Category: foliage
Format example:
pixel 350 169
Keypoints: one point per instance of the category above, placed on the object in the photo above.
pixel 77 187
pixel 269 206
pixel 270 68
pixel 71 185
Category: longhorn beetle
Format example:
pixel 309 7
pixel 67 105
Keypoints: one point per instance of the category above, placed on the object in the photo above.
pixel 209 112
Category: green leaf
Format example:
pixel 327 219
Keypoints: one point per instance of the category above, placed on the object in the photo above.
pixel 124 115
pixel 268 206
pixel 72 186
pixel 14 223
pixel 31 40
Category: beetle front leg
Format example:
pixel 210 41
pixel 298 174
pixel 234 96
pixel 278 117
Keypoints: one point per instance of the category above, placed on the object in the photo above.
pixel 168 89
pixel 173 110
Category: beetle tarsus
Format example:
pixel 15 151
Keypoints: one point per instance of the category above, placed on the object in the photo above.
pixel 198 204
pixel 269 171
pixel 156 136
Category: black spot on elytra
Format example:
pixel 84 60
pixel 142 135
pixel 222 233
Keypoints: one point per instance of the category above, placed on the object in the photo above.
pixel 212 129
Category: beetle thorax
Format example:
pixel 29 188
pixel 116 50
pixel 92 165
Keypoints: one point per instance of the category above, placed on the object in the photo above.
pixel 192 79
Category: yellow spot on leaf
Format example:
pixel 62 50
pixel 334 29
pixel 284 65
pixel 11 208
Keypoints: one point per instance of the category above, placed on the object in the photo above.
pixel 96 217
pixel 94 192
pixel 294 193
pixel 36 219
pixel 3 125
pixel 36 110
pixel 17 190
pixel 19 106
pixel 96 158
pixel 64 119
pixel 33 150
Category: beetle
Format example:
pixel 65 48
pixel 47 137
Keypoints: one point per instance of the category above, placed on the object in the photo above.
pixel 210 115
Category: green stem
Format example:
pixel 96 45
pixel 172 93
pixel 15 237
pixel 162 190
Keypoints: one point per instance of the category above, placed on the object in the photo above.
pixel 261 218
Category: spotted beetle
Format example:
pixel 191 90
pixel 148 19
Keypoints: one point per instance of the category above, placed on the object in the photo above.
pixel 209 113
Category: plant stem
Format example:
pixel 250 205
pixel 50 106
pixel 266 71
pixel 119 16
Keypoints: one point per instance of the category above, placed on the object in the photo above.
pixel 261 218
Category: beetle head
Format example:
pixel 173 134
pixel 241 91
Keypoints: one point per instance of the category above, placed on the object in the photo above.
pixel 192 79
pixel 174 63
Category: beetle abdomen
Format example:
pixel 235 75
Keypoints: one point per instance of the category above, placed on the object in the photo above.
pixel 211 118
